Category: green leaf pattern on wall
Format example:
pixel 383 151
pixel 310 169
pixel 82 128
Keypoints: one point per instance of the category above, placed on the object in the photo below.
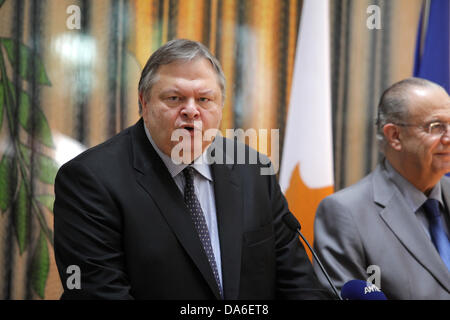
pixel 26 61
pixel 40 266
pixel 16 161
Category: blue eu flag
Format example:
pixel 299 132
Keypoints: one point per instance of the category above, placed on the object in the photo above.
pixel 432 54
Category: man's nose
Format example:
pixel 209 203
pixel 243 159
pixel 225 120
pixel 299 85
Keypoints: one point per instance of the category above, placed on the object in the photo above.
pixel 190 109
pixel 445 138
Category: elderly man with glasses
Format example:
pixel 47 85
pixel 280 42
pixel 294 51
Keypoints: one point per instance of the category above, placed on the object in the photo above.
pixel 393 225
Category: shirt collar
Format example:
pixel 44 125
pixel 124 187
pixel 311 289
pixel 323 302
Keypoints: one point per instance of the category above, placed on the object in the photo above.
pixel 200 164
pixel 414 197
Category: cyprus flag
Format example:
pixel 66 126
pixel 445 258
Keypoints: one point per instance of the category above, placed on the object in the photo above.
pixel 306 175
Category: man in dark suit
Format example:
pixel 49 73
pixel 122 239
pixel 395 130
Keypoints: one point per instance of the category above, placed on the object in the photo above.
pixel 148 215
pixel 382 227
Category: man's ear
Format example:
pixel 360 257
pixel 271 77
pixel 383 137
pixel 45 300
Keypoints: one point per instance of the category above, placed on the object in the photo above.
pixel 392 134
pixel 141 99
pixel 143 102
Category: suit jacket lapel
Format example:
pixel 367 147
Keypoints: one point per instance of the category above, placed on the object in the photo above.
pixel 155 179
pixel 406 227
pixel 229 204
pixel 229 217
pixel 445 187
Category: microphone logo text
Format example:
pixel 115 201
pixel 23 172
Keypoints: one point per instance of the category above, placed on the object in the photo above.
pixel 371 288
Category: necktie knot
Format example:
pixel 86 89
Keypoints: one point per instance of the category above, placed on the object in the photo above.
pixel 431 207
pixel 188 173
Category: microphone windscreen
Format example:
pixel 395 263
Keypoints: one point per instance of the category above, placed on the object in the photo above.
pixel 361 290
pixel 290 220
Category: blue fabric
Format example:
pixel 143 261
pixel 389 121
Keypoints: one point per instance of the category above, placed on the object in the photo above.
pixel 437 232
pixel 432 58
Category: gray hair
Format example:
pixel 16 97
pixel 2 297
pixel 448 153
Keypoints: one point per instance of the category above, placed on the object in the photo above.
pixel 394 104
pixel 175 50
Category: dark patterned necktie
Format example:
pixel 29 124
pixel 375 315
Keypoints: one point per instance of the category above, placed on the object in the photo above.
pixel 193 205
pixel 437 232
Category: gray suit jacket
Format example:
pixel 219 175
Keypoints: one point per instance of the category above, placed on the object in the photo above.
pixel 369 223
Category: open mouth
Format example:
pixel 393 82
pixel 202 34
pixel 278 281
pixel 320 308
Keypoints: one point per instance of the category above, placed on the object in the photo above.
pixel 189 127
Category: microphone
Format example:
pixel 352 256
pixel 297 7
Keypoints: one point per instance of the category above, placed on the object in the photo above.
pixel 361 290
pixel 293 224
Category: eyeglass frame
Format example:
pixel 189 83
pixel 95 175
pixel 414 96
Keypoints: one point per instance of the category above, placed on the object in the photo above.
pixel 428 127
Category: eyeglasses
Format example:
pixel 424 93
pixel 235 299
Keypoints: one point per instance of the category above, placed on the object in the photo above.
pixel 436 128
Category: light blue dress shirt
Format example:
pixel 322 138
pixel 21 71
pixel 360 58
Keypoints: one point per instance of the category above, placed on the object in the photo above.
pixel 204 189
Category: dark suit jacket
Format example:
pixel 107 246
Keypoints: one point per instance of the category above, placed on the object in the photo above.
pixel 120 217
